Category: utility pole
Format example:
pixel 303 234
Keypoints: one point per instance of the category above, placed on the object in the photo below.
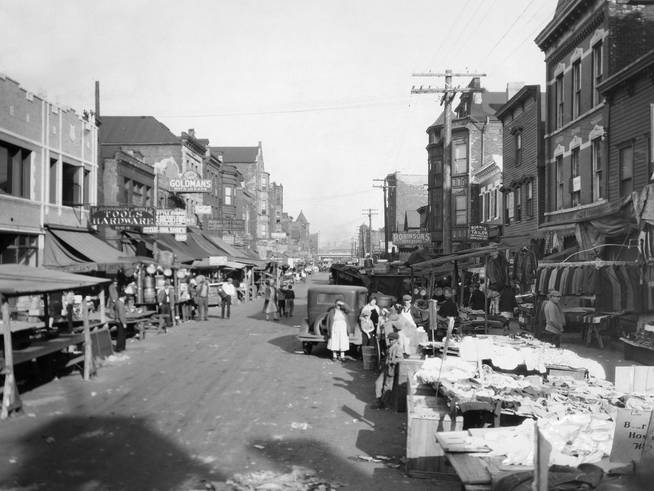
pixel 370 212
pixel 449 92
pixel 385 187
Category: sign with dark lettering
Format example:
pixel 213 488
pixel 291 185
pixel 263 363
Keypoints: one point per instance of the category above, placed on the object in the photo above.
pixel 171 217
pixel 403 239
pixel 122 215
pixel 190 182
pixel 478 232
pixel 226 224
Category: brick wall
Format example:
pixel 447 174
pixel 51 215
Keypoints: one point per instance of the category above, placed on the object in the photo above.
pixel 631 28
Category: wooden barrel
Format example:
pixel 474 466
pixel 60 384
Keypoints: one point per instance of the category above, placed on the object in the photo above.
pixel 149 295
pixel 148 282
pixel 369 354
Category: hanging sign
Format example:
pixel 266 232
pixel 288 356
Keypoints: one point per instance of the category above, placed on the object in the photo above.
pixel 478 232
pixel 203 209
pixel 401 239
pixel 171 217
pixel 181 237
pixel 164 230
pixel 190 182
pixel 122 215
pixel 217 260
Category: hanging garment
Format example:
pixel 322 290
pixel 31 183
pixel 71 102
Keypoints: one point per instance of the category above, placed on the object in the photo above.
pixel 497 272
pixel 552 281
pixel 616 298
pixel 590 279
pixel 563 282
pixel 524 267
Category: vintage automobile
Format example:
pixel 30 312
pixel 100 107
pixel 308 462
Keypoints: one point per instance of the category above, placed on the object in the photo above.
pixel 319 300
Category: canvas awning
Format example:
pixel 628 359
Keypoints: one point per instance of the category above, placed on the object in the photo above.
pixel 80 251
pixel 205 264
pixel 428 266
pixel 16 279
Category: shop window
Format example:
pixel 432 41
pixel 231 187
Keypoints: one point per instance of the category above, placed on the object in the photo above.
pixel 517 199
pixel 460 158
pixel 626 170
pixel 229 195
pixel 53 181
pixel 494 200
pixel 575 178
pixel 15 170
pixel 460 210
pixel 597 73
pixel 558 182
pixel 70 184
pixel 138 194
pixel 18 249
pixel 576 89
pixel 148 196
pixel 529 202
pixel 558 95
pixel 125 191
pixel 596 161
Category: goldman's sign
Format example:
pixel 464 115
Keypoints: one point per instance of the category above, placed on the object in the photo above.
pixel 190 182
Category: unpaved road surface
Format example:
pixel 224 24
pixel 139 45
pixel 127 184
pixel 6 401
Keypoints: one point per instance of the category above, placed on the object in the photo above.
pixel 191 408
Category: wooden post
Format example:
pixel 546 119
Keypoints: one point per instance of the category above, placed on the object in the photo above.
pixel 88 347
pixel 103 311
pixel 46 310
pixel 10 397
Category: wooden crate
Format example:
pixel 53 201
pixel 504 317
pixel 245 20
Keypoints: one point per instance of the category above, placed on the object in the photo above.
pixel 561 371
pixel 400 383
pixel 416 388
pixel 426 415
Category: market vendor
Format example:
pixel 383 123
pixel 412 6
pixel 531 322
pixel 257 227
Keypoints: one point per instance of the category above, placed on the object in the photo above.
pixel 477 298
pixel 554 318
pixel 448 307
pixel 406 310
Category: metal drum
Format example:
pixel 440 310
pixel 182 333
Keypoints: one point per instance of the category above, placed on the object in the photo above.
pixel 149 295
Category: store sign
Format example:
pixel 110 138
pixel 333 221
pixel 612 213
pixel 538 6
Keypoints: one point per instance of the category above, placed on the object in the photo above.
pixel 181 237
pixel 229 224
pixel 478 232
pixel 190 182
pixel 403 239
pixel 174 217
pixel 164 230
pixel 122 215
pixel 277 235
pixel 203 209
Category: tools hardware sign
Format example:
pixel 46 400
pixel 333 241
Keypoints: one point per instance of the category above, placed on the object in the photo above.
pixel 190 182
pixel 122 215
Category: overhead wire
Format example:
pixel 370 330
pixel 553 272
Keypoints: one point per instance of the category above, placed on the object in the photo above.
pixel 506 32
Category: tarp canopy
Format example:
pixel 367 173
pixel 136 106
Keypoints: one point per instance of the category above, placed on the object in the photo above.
pixel 428 266
pixel 204 264
pixel 16 279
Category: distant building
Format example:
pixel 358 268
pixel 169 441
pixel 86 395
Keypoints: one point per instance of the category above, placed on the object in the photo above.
pixel 406 194
pixel 476 141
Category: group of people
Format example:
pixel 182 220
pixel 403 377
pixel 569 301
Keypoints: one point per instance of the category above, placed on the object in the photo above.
pixel 279 300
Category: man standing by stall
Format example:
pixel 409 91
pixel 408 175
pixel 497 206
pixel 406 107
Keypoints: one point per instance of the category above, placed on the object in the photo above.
pixel 121 321
pixel 202 297
pixel 166 300
pixel 554 318
pixel 226 298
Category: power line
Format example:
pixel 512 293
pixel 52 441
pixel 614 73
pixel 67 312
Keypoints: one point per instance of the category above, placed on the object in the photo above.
pixel 509 29
pixel 539 27
pixel 463 31
pixel 452 26
pixel 388 102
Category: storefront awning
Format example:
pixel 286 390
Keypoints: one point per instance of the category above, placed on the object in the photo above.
pixel 16 279
pixel 458 256
pixel 79 251
pixel 206 264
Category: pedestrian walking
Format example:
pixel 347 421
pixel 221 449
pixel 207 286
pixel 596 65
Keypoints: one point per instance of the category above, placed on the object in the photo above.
pixel 120 318
pixel 202 297
pixel 166 300
pixel 267 291
pixel 338 330
pixel 228 292
pixel 385 380
pixel 281 301
pixel 271 306
pixel 290 301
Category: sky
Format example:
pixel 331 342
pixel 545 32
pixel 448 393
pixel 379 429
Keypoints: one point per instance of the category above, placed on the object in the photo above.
pixel 323 84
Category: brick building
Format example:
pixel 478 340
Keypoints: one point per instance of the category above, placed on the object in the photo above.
pixel 585 43
pixel 523 174
pixel 48 173
pixel 406 194
pixel 476 141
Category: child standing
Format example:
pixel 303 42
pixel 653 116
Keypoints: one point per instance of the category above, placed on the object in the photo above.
pixel 384 383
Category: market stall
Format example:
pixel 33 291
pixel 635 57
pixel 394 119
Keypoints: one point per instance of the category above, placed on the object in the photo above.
pixel 18 282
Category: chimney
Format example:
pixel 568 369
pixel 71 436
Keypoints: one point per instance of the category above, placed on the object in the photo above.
pixel 191 132
pixel 97 99
pixel 512 88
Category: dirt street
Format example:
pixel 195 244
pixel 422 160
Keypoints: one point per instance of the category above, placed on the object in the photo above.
pixel 192 408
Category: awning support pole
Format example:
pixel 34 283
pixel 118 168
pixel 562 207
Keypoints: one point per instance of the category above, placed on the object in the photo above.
pixel 10 397
pixel 88 346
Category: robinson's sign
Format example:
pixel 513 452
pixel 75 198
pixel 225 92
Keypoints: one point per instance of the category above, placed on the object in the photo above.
pixel 122 215
pixel 190 182
pixel 404 239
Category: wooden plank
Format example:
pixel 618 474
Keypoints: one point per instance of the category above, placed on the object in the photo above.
pixel 471 470
pixel 10 397
pixel 634 379
pixel 42 348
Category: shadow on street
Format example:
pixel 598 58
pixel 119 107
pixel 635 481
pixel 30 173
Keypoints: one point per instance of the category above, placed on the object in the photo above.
pixel 106 453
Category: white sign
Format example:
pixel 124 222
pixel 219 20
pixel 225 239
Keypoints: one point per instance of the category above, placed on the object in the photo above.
pixel 174 217
pixel 278 235
pixel 203 209
pixel 164 230
pixel 181 237
pixel 217 260
pixel 190 182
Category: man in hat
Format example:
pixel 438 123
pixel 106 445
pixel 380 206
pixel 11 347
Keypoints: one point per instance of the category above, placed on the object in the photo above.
pixel 166 301
pixel 448 307
pixel 226 298
pixel 121 321
pixel 202 297
pixel 406 310
pixel 554 318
